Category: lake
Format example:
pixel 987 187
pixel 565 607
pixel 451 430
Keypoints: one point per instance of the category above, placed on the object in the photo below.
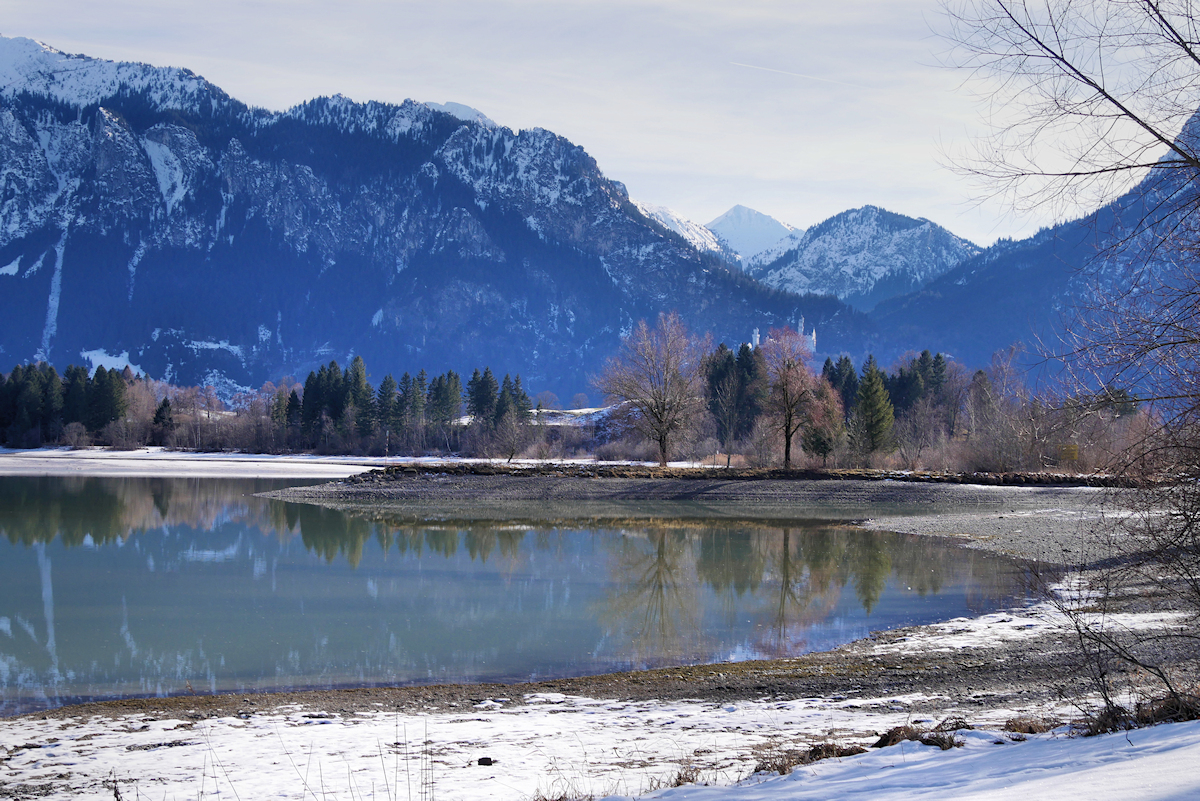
pixel 135 587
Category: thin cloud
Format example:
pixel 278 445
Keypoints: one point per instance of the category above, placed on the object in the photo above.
pixel 798 75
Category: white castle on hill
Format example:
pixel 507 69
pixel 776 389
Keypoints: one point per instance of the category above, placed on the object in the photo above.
pixel 755 339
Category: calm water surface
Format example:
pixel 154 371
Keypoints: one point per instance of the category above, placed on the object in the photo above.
pixel 116 587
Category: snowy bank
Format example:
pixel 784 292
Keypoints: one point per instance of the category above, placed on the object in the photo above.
pixel 556 745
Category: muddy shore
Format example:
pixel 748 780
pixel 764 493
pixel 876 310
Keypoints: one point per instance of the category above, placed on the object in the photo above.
pixel 1050 523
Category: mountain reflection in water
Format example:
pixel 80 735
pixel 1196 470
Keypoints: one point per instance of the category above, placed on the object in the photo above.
pixel 113 587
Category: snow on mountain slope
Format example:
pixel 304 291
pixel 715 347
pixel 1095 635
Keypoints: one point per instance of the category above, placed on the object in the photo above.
pixel 698 235
pixel 749 232
pixel 36 68
pixel 143 211
pixel 864 256
pixel 464 113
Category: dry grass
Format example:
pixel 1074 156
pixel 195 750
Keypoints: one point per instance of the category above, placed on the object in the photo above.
pixel 940 736
pixel 1031 725
pixel 783 760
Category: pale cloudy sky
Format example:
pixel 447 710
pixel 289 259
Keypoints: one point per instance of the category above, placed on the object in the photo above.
pixel 799 109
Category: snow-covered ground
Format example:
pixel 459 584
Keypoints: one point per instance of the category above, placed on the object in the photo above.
pixel 554 745
pixel 163 462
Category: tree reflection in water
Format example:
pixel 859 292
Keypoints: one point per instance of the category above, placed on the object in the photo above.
pixel 652 603
pixel 794 573
pixel 220 594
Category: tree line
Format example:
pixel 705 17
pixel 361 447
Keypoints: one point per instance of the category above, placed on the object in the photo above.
pixel 768 405
pixel 334 410
pixel 671 395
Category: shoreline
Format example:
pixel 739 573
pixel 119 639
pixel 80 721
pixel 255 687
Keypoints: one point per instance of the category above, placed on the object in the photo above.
pixel 1037 524
pixel 1048 524
pixel 641 729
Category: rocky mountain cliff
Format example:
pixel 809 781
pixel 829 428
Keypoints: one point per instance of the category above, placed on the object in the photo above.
pixel 147 217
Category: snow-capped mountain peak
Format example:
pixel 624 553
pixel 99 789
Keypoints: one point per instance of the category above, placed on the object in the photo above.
pixel 748 232
pixel 862 256
pixel 464 113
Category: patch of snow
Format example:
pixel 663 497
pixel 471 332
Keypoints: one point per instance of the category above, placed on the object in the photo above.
pixel 198 345
pixel 37 265
pixel 51 327
pixel 465 113
pixel 168 171
pixel 11 269
pixel 697 235
pixel 102 358
pixel 564 745
pixel 134 260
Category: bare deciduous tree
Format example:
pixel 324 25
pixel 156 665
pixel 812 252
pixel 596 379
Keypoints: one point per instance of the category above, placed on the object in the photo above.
pixel 657 373
pixel 1082 96
pixel 1086 97
pixel 792 384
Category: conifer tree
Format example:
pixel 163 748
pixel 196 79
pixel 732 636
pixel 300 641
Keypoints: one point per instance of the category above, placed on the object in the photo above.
pixel 723 385
pixel 295 412
pixel 874 416
pixel 336 396
pixel 360 396
pixel 752 390
pixel 482 395
pixel 75 395
pixel 521 401
pixel 444 404
pixel 313 401
pixel 29 399
pixel 937 375
pixel 52 402
pixel 844 379
pixel 405 403
pixel 106 398
pixel 387 400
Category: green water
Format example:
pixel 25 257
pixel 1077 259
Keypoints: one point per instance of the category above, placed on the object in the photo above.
pixel 119 587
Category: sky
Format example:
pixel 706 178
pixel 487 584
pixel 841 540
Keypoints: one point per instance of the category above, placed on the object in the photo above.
pixel 800 109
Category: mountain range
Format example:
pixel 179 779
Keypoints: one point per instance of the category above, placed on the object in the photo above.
pixel 862 256
pixel 149 219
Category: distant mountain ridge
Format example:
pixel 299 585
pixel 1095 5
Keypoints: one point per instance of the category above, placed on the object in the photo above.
pixel 862 256
pixel 147 217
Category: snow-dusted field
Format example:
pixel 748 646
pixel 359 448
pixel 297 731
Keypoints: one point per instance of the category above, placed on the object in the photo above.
pixel 555 745
pixel 162 462
pixel 188 464
pixel 551 745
